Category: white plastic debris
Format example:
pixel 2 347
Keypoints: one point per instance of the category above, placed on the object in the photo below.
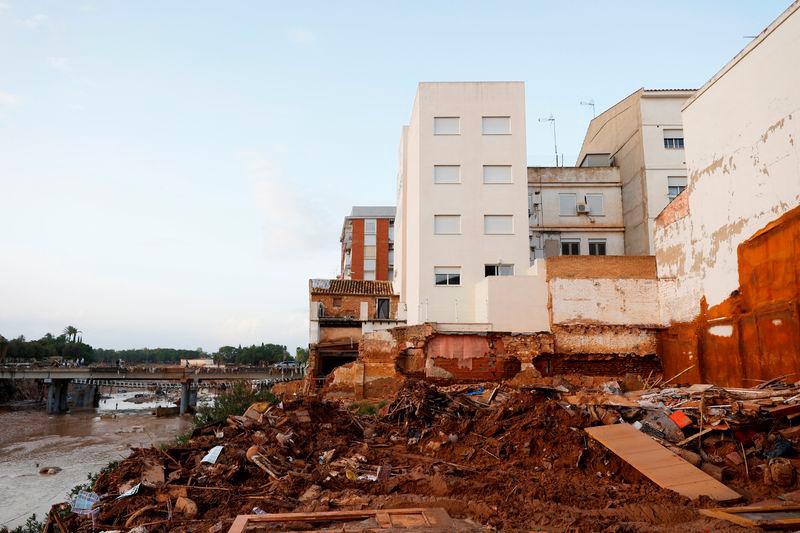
pixel 212 455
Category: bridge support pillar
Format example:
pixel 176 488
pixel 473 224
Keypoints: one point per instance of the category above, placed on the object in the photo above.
pixel 86 396
pixel 188 397
pixel 57 396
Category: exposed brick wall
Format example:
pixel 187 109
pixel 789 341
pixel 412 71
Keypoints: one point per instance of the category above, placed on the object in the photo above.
pixel 601 267
pixel 382 249
pixel 350 305
pixel 357 256
pixel 593 365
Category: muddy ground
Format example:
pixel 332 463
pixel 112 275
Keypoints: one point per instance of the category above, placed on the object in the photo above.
pixel 522 463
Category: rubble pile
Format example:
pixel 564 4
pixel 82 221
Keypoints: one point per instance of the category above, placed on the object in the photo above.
pixel 504 456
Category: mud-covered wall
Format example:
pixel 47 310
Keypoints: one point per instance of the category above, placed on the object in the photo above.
pixel 728 257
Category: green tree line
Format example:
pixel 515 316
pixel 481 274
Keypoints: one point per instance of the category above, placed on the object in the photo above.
pixel 69 345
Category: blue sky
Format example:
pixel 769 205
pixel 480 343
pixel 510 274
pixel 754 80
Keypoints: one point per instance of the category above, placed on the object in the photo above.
pixel 172 173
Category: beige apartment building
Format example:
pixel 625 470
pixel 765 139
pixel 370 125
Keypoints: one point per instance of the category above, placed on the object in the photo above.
pixel 462 213
pixel 642 135
pixel 575 211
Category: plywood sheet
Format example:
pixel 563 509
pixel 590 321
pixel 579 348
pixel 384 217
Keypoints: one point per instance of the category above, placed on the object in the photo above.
pixel 659 464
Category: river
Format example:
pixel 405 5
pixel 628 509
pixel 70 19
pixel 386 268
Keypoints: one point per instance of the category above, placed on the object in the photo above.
pixel 80 442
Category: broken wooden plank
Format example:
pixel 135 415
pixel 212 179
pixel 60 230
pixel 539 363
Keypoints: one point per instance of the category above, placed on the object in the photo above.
pixel 659 464
pixel 764 516
pixel 387 519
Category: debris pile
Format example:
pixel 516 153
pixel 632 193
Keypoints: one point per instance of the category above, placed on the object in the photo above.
pixel 506 456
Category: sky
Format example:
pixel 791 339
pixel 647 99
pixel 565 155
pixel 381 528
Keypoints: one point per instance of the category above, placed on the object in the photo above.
pixel 173 173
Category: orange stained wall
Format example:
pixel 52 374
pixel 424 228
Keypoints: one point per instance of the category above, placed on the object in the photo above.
pixel 755 333
pixel 382 250
pixel 357 257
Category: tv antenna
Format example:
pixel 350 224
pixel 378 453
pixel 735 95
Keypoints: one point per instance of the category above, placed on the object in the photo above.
pixel 590 103
pixel 552 119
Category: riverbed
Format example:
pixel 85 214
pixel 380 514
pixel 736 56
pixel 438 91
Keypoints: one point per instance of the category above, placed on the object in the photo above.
pixel 79 443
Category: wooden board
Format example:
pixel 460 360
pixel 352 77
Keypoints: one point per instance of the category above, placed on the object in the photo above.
pixel 659 464
pixel 765 516
pixel 434 519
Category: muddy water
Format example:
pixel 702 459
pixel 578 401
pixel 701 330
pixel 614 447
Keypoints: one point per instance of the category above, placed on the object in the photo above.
pixel 79 443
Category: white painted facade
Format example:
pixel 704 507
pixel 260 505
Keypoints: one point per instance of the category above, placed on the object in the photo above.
pixel 474 134
pixel 631 136
pixel 558 227
pixel 743 154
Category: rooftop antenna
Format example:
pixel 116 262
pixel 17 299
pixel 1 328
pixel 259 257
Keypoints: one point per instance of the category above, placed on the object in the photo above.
pixel 589 102
pixel 555 144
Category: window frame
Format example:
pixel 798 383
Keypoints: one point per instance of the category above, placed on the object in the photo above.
pixel 510 232
pixel 604 242
pixel 602 213
pixel 378 302
pixel 483 124
pixel 673 142
pixel 374 229
pixel 457 118
pixel 497 271
pixel 458 178
pixel 455 273
pixel 510 175
pixel 574 207
pixel 570 242
pixel 458 232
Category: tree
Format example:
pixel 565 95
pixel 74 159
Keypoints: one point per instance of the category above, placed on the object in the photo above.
pixel 301 355
pixel 71 332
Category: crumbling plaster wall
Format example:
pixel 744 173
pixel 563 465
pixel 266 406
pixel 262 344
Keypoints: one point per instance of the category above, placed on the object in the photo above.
pixel 631 302
pixel 742 131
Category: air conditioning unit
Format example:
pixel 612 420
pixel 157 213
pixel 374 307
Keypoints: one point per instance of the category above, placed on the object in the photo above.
pixel 582 209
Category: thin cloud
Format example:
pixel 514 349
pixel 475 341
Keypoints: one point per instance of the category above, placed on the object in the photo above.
pixel 301 36
pixel 8 100
pixel 4 6
pixel 59 63
pixel 292 225
pixel 34 22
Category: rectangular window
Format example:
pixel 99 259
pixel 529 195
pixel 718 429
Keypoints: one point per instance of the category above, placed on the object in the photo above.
pixel 382 309
pixel 566 204
pixel 673 139
pixel 391 257
pixel 391 274
pixel 391 231
pixel 595 203
pixel 498 224
pixel 597 247
pixel 570 247
pixel 446 174
pixel 447 275
pixel 497 174
pixel 446 224
pixel 446 125
pixel 369 275
pixel 496 125
pixel 675 186
pixel 369 252
pixel 370 226
pixel 369 240
pixel 498 270
pixel 369 265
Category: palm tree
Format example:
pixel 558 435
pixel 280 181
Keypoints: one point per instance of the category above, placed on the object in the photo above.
pixel 71 332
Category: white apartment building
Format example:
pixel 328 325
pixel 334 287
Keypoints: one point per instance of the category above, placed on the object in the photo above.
pixel 643 136
pixel 462 213
pixel 575 211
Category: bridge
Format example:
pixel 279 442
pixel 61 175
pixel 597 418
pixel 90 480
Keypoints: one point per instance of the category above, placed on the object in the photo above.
pixel 189 379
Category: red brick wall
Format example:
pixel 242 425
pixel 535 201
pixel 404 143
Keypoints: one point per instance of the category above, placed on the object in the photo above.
pixel 351 305
pixel 382 251
pixel 357 257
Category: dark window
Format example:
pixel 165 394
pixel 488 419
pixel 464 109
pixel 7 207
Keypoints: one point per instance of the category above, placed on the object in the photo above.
pixel 337 301
pixel 382 309
pixel 597 247
pixel 570 247
pixel 675 190
pixel 498 270
pixel 448 278
pixel 673 143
